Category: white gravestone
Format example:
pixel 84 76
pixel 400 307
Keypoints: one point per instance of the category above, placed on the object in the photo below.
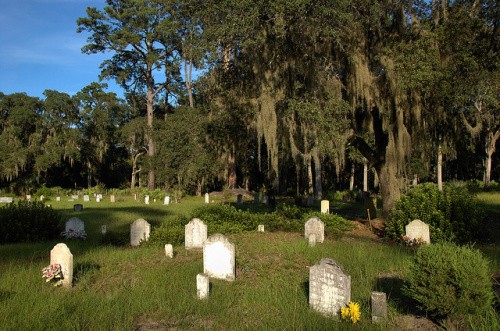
pixel 207 198
pixel 74 197
pixel 61 255
pixel 6 199
pixel 86 198
pixel 74 224
pixel 219 259
pixel 314 226
pixel 58 199
pixel 169 250
pixel 195 234
pixel 379 307
pixel 202 286
pixel 325 207
pixel 97 199
pixel 166 201
pixel 99 196
pixel 417 229
pixel 42 197
pixel 260 228
pixel 329 287
pixel 104 229
pixel 146 199
pixel 139 231
pixel 28 197
pixel 112 198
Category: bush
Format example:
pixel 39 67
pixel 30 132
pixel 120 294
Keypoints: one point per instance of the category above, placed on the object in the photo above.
pixel 452 215
pixel 33 221
pixel 171 233
pixel 449 281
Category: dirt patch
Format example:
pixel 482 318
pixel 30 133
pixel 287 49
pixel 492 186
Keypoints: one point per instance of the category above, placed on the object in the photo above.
pixel 367 230
pixel 411 323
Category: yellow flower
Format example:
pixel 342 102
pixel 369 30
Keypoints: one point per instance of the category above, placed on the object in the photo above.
pixel 355 312
pixel 344 313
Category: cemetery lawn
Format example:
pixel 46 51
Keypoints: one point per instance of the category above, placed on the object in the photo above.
pixel 124 288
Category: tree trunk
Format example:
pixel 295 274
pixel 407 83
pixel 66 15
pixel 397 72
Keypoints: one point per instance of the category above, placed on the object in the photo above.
pixel 389 187
pixel 351 182
pixel 440 169
pixel 232 179
pixel 150 139
pixel 317 174
pixel 310 179
pixel 491 140
pixel 365 175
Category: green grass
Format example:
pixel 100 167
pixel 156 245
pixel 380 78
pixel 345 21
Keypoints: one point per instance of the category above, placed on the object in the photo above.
pixel 123 288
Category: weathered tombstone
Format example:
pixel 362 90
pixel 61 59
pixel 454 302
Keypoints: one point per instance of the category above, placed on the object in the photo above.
pixel 28 197
pixel 265 198
pixel 58 199
pixel 202 286
pixel 169 250
pixel 99 196
pixel 61 255
pixel 97 199
pixel 325 207
pixel 139 231
pixel 104 229
pixel 314 226
pixel 219 259
pixel 329 287
pixel 310 201
pixel 42 197
pixel 6 199
pixel 86 198
pixel 146 199
pixel 417 229
pixel 154 200
pixel 78 207
pixel 74 197
pixel 74 224
pixel 207 198
pixel 379 307
pixel 260 228
pixel 239 199
pixel 312 240
pixel 166 200
pixel 135 196
pixel 195 234
pixel 112 198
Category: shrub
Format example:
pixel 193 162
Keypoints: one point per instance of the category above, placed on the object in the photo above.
pixel 452 215
pixel 33 221
pixel 448 281
pixel 169 233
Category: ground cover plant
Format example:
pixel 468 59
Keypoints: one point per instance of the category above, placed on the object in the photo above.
pixel 124 288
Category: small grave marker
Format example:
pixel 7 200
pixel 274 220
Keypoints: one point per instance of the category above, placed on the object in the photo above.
pixel 169 250
pixel 104 229
pixel 139 231
pixel 260 228
pixel 166 200
pixel 146 199
pixel 5 199
pixel 86 198
pixel 207 198
pixel 74 224
pixel 202 286
pixel 219 259
pixel 417 229
pixel 325 207
pixel 61 255
pixel 379 307
pixel 314 226
pixel 195 234
pixel 112 198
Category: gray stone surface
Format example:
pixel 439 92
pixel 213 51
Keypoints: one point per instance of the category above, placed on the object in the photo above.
pixel 325 207
pixel 202 286
pixel 379 307
pixel 169 250
pixel 139 232
pixel 166 201
pixel 195 234
pixel 316 227
pixel 260 228
pixel 207 198
pixel 146 199
pixel 112 198
pixel 329 287
pixel 417 229
pixel 74 224
pixel 219 260
pixel 86 198
pixel 61 255
pixel 6 199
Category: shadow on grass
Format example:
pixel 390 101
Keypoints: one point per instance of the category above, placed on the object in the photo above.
pixel 305 289
pixel 82 269
pixel 5 295
pixel 393 286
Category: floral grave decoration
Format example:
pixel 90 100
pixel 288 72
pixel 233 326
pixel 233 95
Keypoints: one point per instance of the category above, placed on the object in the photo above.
pixel 53 274
pixel 352 312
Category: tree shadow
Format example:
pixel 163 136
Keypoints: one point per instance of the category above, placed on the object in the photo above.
pixel 5 295
pixel 82 269
pixel 393 287
pixel 305 289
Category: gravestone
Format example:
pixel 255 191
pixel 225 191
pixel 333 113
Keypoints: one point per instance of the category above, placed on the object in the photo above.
pixel 42 197
pixel 139 231
pixel 202 286
pixel 104 229
pixel 58 199
pixel 86 198
pixel 166 200
pixel 146 199
pixel 74 197
pixel 260 228
pixel 5 199
pixel 97 199
pixel 265 199
pixel 78 207
pixel 112 198
pixel 314 226
pixel 169 250
pixel 99 196
pixel 325 207
pixel 74 224
pixel 312 240
pixel 329 287
pixel 61 255
pixel 379 307
pixel 195 234
pixel 417 229
pixel 28 197
pixel 239 199
pixel 207 198
pixel 219 259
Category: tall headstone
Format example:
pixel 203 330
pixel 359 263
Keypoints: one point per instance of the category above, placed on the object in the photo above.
pixel 86 198
pixel 195 234
pixel 78 207
pixel 417 229
pixel 379 307
pixel 166 200
pixel 325 207
pixel 329 287
pixel 61 255
pixel 314 226
pixel 146 199
pixel 219 260
pixel 169 250
pixel 112 198
pixel 202 286
pixel 74 224
pixel 207 198
pixel 139 231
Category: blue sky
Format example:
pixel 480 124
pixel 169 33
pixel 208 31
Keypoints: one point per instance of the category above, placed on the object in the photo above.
pixel 40 48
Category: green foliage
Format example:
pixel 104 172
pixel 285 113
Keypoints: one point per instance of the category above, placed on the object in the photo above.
pixel 169 233
pixel 115 239
pixel 452 214
pixel 449 280
pixel 33 221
